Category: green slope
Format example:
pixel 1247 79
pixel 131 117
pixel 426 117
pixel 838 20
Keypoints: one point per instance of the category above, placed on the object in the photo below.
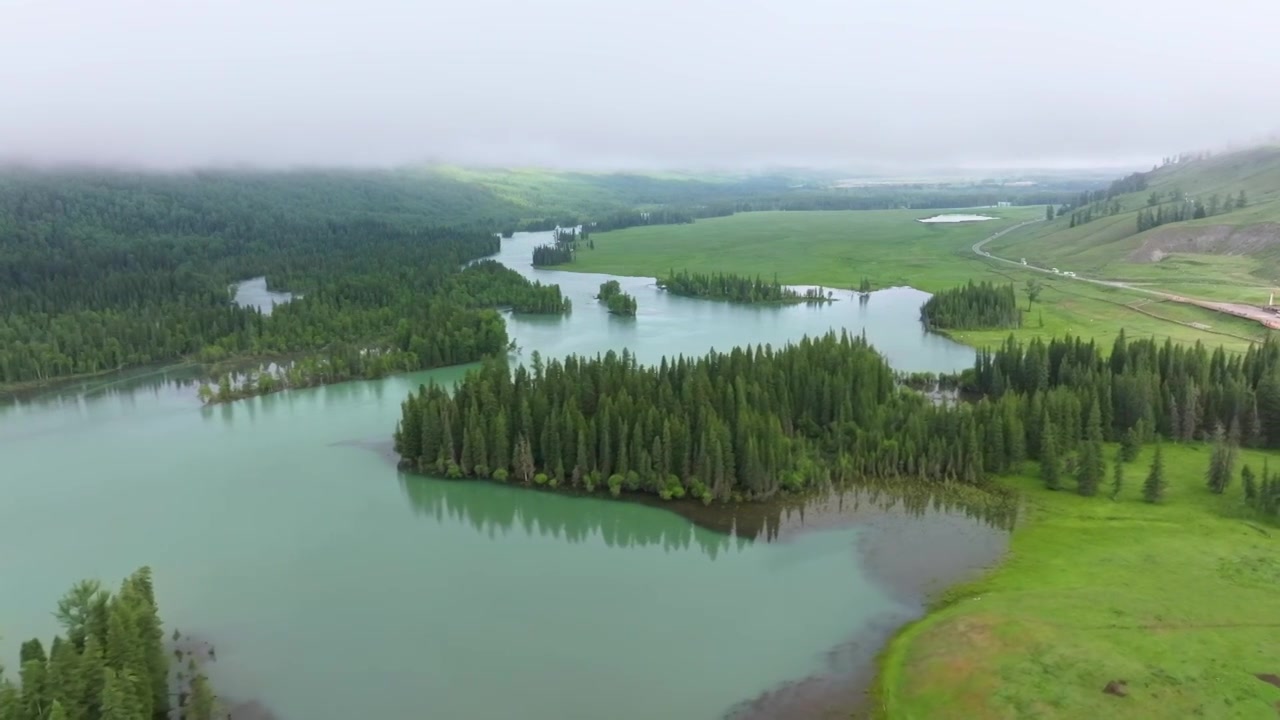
pixel 1231 255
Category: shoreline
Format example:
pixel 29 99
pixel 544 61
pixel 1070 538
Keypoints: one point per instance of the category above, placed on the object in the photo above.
pixel 849 683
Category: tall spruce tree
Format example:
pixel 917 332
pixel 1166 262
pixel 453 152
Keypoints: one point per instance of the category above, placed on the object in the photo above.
pixel 1050 465
pixel 1221 462
pixel 1154 486
pixel 1249 483
pixel 1092 465
pixel 1117 475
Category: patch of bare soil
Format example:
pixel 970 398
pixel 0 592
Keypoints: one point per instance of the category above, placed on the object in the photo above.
pixel 1206 239
pixel 1271 678
pixel 1119 688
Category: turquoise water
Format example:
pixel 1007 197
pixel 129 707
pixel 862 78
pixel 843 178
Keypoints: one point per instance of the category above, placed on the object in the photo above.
pixel 334 586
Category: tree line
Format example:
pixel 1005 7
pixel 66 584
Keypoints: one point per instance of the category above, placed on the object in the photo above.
pixel 736 288
pixel 110 663
pixel 745 424
pixel 618 302
pixel 1179 392
pixel 975 306
pixel 563 247
pixel 1157 213
pixel 755 422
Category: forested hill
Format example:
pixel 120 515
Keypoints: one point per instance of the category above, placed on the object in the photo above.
pixel 97 275
pixel 226 202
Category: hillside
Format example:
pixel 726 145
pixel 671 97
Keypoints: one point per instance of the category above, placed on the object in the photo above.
pixel 1231 254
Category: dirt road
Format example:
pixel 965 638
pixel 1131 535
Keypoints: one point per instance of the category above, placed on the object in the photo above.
pixel 1248 312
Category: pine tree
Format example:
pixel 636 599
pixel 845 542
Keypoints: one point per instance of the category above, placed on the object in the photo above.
pixel 203 705
pixel 499 445
pixel 1117 476
pixel 33 678
pixel 1092 464
pixel 1153 488
pixel 118 700
pixel 1221 462
pixel 1050 465
pixel 93 668
pixel 151 638
pixel 1249 482
pixel 580 465
pixel 64 677
pixel 1130 445
pixel 522 460
pixel 10 700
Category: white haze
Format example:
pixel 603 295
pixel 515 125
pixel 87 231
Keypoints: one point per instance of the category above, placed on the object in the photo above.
pixel 659 83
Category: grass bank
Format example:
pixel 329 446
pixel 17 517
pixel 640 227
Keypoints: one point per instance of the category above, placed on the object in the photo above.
pixel 1178 600
pixel 838 249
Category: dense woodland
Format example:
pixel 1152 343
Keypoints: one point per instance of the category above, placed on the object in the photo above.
pixel 975 306
pixel 564 245
pixel 1073 397
pixel 755 422
pixel 96 277
pixel 113 662
pixel 736 288
pixel 482 284
pixel 744 424
pixel 618 302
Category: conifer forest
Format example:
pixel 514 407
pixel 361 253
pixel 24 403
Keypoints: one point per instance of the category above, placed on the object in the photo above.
pixel 112 661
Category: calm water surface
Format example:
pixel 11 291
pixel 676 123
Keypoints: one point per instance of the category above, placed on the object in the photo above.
pixel 334 586
pixel 254 293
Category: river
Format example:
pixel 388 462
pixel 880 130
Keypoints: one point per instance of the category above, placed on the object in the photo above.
pixel 334 586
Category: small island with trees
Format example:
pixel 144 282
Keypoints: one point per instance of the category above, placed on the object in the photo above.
pixel 737 288
pixel 975 306
pixel 618 302
pixel 563 247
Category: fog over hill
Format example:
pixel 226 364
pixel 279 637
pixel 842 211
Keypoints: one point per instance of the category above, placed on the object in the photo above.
pixel 667 83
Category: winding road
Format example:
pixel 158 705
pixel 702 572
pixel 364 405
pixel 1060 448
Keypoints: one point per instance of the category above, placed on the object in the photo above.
pixel 1248 312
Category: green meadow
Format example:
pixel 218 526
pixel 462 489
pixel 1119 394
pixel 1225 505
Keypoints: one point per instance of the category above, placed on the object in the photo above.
pixel 837 249
pixel 1177 600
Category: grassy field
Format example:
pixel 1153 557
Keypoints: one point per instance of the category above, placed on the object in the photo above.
pixel 838 249
pixel 1105 248
pixel 1178 600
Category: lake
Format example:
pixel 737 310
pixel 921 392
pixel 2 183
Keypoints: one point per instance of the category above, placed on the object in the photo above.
pixel 254 293
pixel 955 218
pixel 334 586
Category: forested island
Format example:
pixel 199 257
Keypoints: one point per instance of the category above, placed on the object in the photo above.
pixel 736 288
pixel 564 245
pixel 618 302
pixel 975 306
pixel 113 662
pixel 751 423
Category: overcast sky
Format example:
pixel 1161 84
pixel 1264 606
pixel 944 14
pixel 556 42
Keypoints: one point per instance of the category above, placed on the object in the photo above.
pixel 633 83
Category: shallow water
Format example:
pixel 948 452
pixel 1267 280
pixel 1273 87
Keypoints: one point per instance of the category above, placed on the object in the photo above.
pixel 254 293
pixel 334 586
pixel 955 218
